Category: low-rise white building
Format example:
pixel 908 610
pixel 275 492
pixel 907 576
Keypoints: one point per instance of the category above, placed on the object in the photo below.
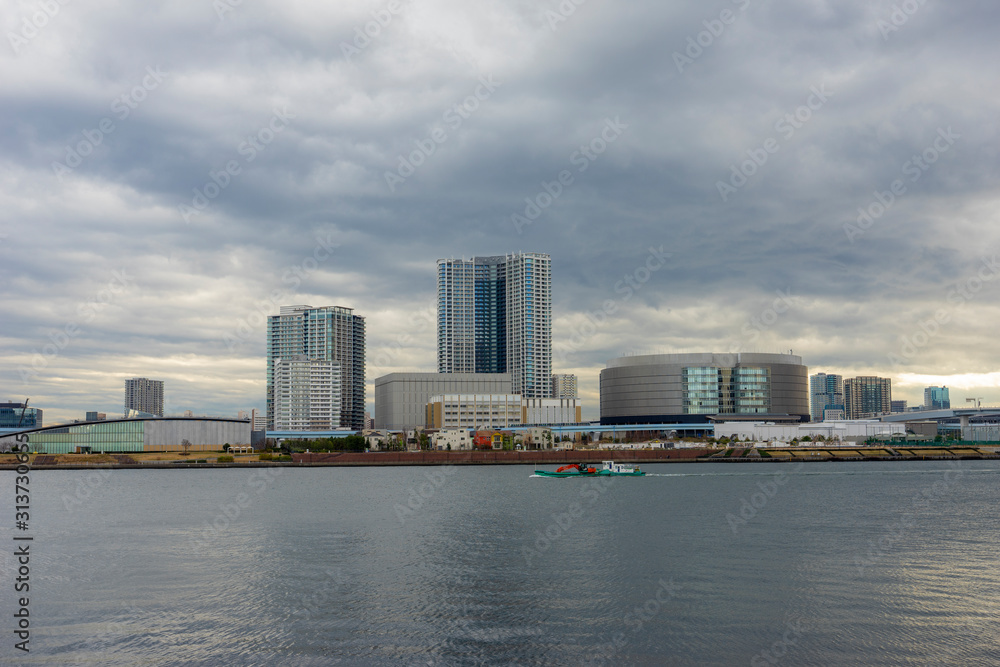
pixel 852 431
pixel 452 440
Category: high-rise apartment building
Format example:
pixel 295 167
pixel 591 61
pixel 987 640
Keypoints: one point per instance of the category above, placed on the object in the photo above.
pixel 330 334
pixel 826 392
pixel 937 398
pixel 867 396
pixel 144 395
pixel 495 316
pixel 564 385
pixel 307 394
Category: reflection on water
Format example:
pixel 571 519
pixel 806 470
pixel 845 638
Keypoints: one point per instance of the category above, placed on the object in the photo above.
pixel 848 564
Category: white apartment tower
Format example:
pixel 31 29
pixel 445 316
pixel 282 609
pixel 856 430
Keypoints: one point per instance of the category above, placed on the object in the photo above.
pixel 144 395
pixel 495 316
pixel 307 394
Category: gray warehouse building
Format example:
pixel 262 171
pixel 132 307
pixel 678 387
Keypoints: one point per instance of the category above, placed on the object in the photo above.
pixel 693 388
pixel 401 398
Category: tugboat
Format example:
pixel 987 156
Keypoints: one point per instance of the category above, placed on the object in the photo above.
pixel 608 469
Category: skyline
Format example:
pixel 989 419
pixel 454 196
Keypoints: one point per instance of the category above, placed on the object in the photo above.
pixel 821 178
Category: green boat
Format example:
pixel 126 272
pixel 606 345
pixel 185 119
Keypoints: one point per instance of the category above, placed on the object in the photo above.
pixel 608 469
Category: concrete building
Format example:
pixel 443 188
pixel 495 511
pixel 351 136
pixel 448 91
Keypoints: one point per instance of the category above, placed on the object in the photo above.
pixel 19 415
pixel 694 388
pixel 331 334
pixel 401 398
pixel 551 411
pixel 156 434
pixel 897 406
pixel 474 411
pixel 306 394
pixel 867 396
pixel 495 316
pixel 93 416
pixel 937 398
pixel 826 392
pixel 144 395
pixel 850 432
pixel 564 385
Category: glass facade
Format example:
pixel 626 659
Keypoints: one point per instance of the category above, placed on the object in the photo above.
pixel 126 436
pixel 713 390
pixel 16 415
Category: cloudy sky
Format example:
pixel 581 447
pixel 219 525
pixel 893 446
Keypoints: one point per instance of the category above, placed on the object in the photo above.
pixel 758 175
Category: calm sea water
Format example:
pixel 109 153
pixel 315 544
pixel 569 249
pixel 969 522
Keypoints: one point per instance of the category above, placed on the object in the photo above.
pixel 699 564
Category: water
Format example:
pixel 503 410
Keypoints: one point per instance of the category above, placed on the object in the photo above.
pixel 830 564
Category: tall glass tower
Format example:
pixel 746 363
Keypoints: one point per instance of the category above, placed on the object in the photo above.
pixel 495 316
pixel 330 333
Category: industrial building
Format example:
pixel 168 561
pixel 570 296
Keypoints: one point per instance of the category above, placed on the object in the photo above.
pixel 401 398
pixel 696 388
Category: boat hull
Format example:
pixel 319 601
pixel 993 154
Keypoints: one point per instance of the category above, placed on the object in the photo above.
pixel 599 473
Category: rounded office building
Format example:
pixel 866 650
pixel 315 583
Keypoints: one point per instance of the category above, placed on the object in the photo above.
pixel 692 388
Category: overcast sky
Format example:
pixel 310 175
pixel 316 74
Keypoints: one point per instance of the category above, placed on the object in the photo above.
pixel 171 172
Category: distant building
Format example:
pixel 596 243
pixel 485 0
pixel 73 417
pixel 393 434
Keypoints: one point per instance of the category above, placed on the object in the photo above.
pixel 697 388
pixel 898 406
pixel 328 334
pixel 369 421
pixel 401 398
pixel 306 394
pixel 14 415
pixel 96 416
pixel 937 398
pixel 867 396
pixel 551 411
pixel 144 395
pixel 564 385
pixel 258 420
pixel 495 316
pixel 826 392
